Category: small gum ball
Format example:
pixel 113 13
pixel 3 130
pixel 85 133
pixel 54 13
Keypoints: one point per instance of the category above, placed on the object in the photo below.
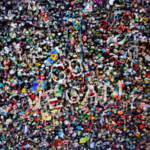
pixel 84 38
pixel 71 3
pixel 137 134
pixel 70 131
pixel 83 15
pixel 120 112
pixel 105 37
pixel 142 105
pixel 127 13
pixel 72 42
pixel 36 97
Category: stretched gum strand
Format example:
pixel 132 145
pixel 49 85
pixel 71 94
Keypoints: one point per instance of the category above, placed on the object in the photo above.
pixel 29 5
pixel 105 91
pixel 90 87
pixel 123 41
pixel 34 5
pixel 113 23
pixel 105 24
pixel 120 26
pixel 120 88
pixel 37 105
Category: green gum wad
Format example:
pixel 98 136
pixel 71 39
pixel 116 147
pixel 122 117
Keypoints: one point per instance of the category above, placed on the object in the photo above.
pixel 93 31
pixel 98 55
pixel 71 54
pixel 92 47
pixel 85 116
pixel 29 40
